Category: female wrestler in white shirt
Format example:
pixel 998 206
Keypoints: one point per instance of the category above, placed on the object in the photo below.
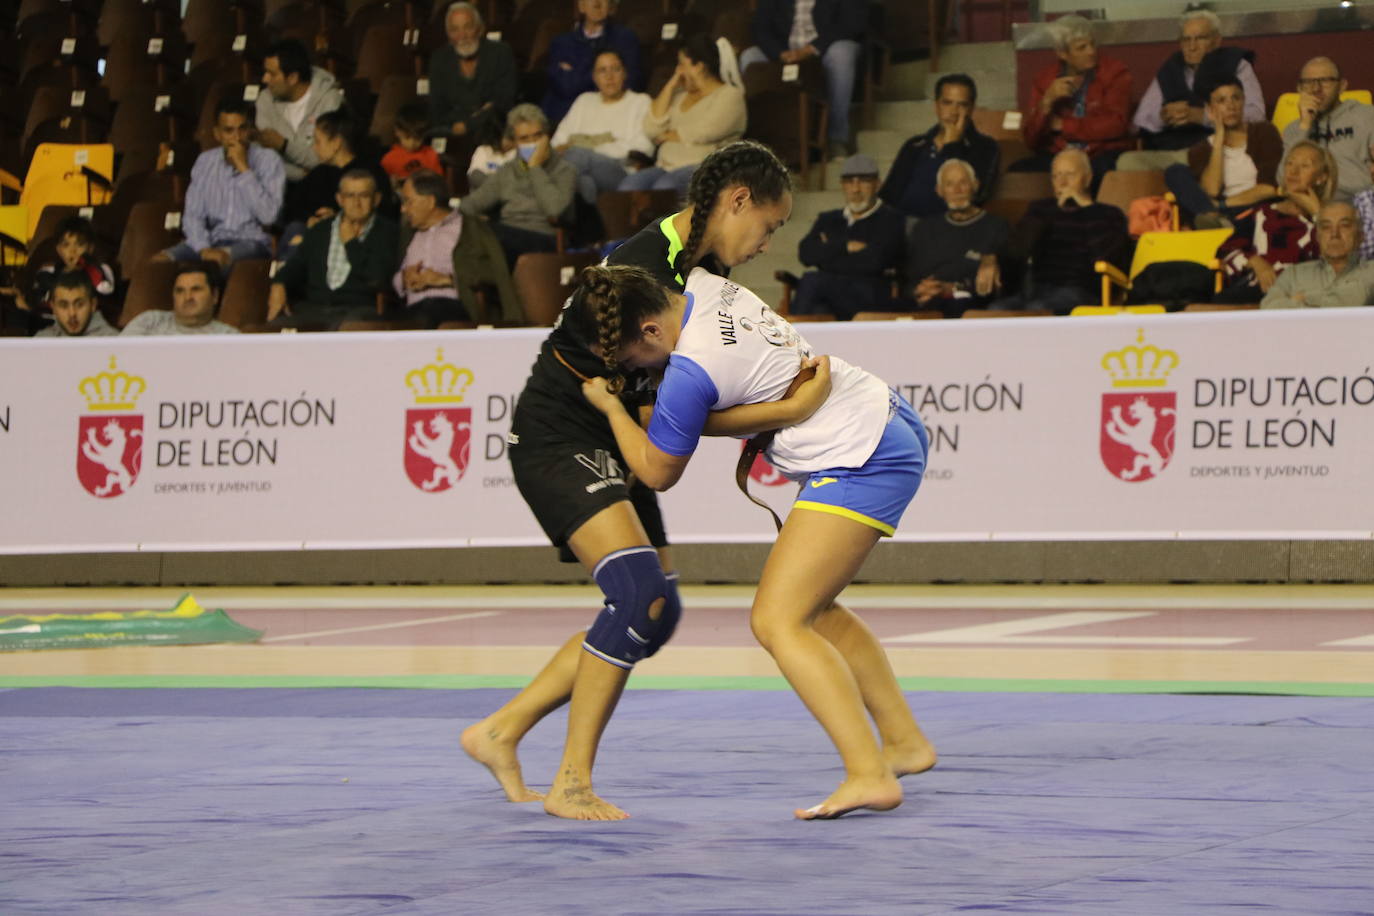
pixel 859 458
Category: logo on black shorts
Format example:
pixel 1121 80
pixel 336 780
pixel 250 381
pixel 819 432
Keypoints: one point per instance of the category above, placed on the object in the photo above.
pixel 604 466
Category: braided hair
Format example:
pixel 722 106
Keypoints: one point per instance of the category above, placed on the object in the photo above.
pixel 744 162
pixel 609 305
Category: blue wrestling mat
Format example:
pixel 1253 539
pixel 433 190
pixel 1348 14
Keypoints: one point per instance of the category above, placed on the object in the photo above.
pixel 346 801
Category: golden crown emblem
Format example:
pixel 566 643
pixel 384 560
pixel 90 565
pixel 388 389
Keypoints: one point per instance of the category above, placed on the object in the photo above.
pixel 439 382
pixel 112 390
pixel 1145 366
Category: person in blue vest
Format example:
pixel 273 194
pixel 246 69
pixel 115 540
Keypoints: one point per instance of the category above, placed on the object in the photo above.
pixel 572 56
pixel 1173 113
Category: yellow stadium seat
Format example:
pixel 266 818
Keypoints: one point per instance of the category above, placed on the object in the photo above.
pixel 1154 247
pixel 63 173
pixel 1286 108
pixel 14 236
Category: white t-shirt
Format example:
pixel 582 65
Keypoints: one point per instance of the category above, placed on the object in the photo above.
pixel 733 350
pixel 1238 170
pixel 623 119
pixel 294 112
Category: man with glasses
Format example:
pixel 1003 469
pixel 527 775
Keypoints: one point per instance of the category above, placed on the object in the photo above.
pixel 1346 128
pixel 1173 114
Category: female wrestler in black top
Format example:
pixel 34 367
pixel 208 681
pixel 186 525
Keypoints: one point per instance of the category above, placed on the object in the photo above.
pixel 570 472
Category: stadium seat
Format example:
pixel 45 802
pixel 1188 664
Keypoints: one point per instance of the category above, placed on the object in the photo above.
pixel 150 287
pixel 245 293
pixel 789 116
pixel 1120 188
pixel 67 174
pixel 623 213
pixel 543 282
pixel 146 234
pixel 1024 186
pixel 1286 107
pixel 1010 209
pixel 1155 247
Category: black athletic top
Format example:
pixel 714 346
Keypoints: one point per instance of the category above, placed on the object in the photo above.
pixel 552 402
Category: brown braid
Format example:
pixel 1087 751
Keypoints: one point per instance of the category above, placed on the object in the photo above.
pixel 744 162
pixel 609 305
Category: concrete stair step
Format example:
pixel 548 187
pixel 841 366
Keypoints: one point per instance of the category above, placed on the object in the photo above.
pixel 906 80
pixel 882 144
pixel 910 116
pixel 977 55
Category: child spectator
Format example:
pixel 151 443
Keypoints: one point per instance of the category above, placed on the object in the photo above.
pixel 411 152
pixel 75 251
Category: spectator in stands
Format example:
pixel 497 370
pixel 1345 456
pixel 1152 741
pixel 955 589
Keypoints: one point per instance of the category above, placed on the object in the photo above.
pixel 1345 128
pixel 314 198
pixel 497 149
pixel 235 193
pixel 1339 278
pixel 910 186
pixel 694 114
pixel 603 128
pixel 195 299
pixel 1064 236
pixel 1278 233
pixel 531 193
pixel 472 79
pixel 573 57
pixel 297 93
pixel 343 263
pixel 411 152
pixel 425 278
pixel 75 251
pixel 952 257
pixel 1232 169
pixel 852 249
pixel 1175 112
pixel 74 308
pixel 1083 101
pixel 1364 205
pixel 792 31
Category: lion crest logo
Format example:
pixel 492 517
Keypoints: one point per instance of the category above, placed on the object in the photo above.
pixel 1138 433
pixel 438 443
pixel 109 454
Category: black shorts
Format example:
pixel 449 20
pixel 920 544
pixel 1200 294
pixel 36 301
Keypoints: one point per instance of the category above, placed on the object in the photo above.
pixel 567 481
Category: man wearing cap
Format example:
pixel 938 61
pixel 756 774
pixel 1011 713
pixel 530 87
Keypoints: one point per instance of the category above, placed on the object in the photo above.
pixel 851 249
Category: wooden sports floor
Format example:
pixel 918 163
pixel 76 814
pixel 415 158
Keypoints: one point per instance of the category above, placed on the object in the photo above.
pixel 1249 638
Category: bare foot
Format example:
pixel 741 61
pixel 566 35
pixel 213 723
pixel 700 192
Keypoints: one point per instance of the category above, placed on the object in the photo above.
pixel 906 759
pixel 878 794
pixel 483 743
pixel 572 798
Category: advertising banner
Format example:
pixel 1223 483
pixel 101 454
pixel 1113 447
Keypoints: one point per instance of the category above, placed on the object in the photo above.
pixel 1196 426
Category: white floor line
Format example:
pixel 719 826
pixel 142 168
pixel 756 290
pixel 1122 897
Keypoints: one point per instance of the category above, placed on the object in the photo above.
pixel 1353 642
pixel 383 626
pixel 1015 632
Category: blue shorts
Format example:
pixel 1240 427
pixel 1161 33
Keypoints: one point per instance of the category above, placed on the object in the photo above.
pixel 878 493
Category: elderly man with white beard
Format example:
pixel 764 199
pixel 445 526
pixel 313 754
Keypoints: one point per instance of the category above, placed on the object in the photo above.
pixel 472 79
pixel 952 258
pixel 852 249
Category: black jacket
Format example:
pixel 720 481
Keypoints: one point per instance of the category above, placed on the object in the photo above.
pixel 834 19
pixel 910 186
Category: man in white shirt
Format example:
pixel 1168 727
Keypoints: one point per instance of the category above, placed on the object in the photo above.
pixel 602 128
pixel 195 298
pixel 74 308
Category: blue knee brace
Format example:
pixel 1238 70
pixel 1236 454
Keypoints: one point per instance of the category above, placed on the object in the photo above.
pixel 623 633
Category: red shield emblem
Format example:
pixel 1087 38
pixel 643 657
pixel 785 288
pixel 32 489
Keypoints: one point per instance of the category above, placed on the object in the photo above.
pixel 437 446
pixel 109 453
pixel 764 473
pixel 1138 433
